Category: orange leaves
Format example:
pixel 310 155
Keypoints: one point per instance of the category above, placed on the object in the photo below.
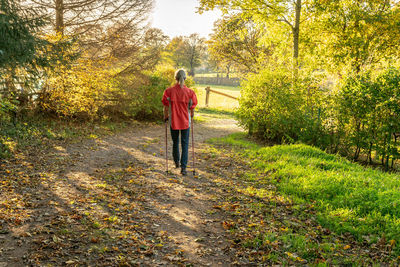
pixel 94 240
pixel 130 169
pixel 228 225
pixel 227 206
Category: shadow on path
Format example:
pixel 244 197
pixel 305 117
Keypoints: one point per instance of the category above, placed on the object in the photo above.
pixel 109 202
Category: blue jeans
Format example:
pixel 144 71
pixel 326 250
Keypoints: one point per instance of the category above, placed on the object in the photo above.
pixel 185 146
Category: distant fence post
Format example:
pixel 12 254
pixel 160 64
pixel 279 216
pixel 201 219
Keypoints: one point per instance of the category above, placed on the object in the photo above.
pixel 207 95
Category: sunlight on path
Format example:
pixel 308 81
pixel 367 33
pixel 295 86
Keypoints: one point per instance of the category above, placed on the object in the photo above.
pixel 111 196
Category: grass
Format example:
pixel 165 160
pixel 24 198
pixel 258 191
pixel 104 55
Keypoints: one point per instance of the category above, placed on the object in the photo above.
pixel 205 114
pixel 218 101
pixel 214 74
pixel 349 198
pixel 219 87
pixel 216 112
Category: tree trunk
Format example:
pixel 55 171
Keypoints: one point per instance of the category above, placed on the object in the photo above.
pixel 60 17
pixel 191 71
pixel 370 153
pixel 9 81
pixel 227 71
pixel 296 31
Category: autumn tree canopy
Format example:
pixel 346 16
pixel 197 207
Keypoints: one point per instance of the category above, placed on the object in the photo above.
pixel 236 42
pixel 186 51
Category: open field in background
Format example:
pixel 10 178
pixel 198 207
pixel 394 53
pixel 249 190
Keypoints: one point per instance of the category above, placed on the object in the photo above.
pixel 218 101
pixel 214 74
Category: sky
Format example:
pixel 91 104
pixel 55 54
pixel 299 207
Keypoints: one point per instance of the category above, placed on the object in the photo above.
pixel 179 18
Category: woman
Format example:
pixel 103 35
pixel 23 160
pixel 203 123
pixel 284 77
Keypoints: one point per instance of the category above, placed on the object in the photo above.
pixel 179 103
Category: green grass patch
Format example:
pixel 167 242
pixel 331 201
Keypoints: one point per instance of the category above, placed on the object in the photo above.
pixel 216 112
pixel 347 197
pixel 205 114
pixel 218 87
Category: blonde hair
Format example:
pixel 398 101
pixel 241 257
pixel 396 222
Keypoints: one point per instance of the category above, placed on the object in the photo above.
pixel 180 76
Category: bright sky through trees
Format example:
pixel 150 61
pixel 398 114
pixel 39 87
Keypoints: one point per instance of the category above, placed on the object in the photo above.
pixel 179 17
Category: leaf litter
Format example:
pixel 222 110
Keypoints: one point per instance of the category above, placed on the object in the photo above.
pixel 108 201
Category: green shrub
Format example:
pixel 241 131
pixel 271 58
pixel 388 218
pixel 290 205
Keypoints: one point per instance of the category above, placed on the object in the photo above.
pixel 143 93
pixel 269 108
pixel 146 99
pixel 8 110
pixel 277 107
pixel 361 117
pixel 368 114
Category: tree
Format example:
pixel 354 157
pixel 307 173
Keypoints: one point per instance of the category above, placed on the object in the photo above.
pixel 354 33
pixel 236 42
pixel 21 50
pixel 97 23
pixel 193 51
pixel 18 43
pixel 287 12
pixel 187 51
pixel 174 51
pixel 80 16
pixel 145 53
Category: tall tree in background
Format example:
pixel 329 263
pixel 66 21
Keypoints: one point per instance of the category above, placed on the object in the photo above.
pixel 236 42
pixel 193 50
pixel 174 52
pixel 354 34
pixel 145 54
pixel 187 51
pixel 287 12
pixel 97 23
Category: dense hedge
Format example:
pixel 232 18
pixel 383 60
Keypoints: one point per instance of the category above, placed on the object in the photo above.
pixel 143 93
pixel 277 107
pixel 368 115
pixel 90 91
pixel 359 117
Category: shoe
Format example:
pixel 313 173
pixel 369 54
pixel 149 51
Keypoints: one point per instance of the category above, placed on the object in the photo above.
pixel 177 165
pixel 184 172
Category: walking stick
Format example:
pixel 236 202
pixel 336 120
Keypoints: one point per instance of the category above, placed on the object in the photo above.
pixel 192 130
pixel 166 145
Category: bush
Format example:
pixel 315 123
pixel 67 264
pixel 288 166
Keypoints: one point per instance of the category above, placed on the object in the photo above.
pixel 361 117
pixel 276 107
pixel 78 91
pixel 368 114
pixel 90 90
pixel 144 92
pixel 8 110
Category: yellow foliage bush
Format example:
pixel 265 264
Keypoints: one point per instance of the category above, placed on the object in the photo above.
pixel 79 90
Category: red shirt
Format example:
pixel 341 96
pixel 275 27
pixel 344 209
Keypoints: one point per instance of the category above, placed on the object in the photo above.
pixel 179 99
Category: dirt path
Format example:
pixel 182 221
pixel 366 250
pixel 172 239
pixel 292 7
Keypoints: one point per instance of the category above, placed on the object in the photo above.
pixel 109 201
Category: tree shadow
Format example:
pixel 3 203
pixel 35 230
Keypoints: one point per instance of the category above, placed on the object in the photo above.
pixel 99 202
